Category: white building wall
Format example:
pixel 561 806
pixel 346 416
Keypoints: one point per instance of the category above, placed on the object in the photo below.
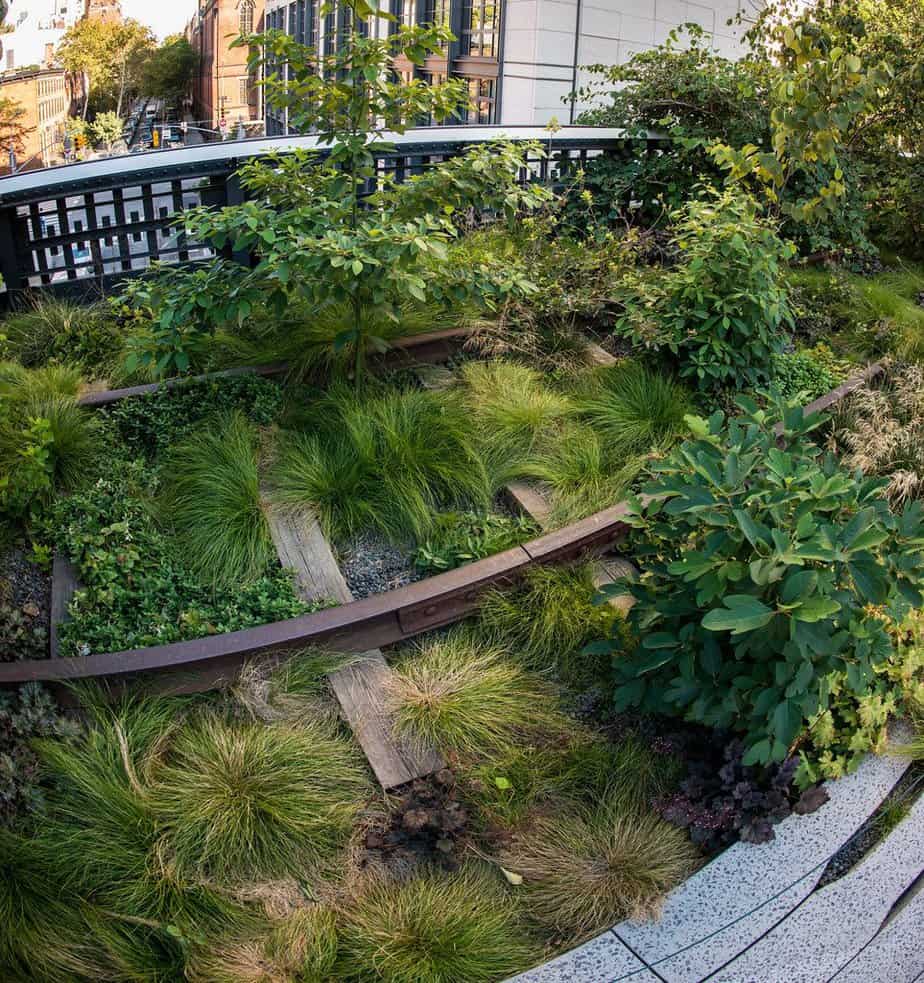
pixel 539 44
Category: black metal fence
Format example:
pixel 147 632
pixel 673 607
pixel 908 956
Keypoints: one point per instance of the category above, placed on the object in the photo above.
pixel 79 229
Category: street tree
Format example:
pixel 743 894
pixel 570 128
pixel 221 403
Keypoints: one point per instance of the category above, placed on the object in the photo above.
pixel 168 71
pixel 107 128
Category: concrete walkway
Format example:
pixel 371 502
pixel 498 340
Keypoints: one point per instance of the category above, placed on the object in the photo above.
pixel 755 915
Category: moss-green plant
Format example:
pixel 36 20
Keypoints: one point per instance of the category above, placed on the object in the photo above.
pixel 256 801
pixel 461 537
pixel 588 868
pixel 582 473
pixel 515 413
pixel 634 410
pixel 435 927
pixel 211 498
pixel 388 461
pixel 301 946
pixel 546 623
pixel 459 694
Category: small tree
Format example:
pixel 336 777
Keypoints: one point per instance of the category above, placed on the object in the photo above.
pixel 107 128
pixel 327 226
pixel 817 94
pixel 13 127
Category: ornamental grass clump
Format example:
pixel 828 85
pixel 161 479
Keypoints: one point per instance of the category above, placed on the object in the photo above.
pixel 435 927
pixel 634 410
pixel 389 461
pixel 256 801
pixel 463 696
pixel 881 428
pixel 589 868
pixel 515 413
pixel 300 947
pixel 768 572
pixel 545 624
pixel 211 497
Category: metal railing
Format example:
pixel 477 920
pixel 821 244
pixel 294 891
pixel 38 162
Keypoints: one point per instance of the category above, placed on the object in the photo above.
pixel 80 228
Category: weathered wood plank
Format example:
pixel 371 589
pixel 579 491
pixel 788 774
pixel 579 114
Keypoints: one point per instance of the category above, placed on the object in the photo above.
pixel 597 355
pixel 360 688
pixel 528 500
pixel 611 568
pixel 303 548
pixel 63 585
pixel 435 377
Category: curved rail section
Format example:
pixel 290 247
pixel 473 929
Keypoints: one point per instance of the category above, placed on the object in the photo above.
pixel 383 619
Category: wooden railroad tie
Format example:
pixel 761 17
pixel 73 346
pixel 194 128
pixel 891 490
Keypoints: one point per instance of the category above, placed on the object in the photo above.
pixel 361 685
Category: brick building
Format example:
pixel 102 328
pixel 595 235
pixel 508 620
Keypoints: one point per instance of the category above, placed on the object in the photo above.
pixel 223 88
pixel 107 10
pixel 46 99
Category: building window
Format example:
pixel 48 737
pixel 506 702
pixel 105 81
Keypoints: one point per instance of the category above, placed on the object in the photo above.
pixel 246 17
pixel 436 12
pixel 480 28
pixel 482 94
pixel 243 96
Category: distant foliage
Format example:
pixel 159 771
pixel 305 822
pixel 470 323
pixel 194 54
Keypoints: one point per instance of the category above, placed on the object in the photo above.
pixel 765 569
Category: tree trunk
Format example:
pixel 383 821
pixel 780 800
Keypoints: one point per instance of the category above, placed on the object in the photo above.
pixel 86 93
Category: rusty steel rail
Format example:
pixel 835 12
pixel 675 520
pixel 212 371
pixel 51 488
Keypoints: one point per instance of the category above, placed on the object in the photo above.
pixel 383 619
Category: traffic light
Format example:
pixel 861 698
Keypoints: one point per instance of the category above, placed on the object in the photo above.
pixel 155 138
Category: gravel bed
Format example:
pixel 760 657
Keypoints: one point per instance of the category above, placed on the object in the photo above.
pixel 371 565
pixel 26 588
pixel 874 829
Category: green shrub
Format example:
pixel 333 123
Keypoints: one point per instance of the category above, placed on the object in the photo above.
pixel 515 413
pixel 388 461
pixel 633 409
pixel 60 331
pixel 151 424
pixel 435 928
pixel 136 590
pixel 723 309
pixel 590 868
pixel 458 694
pixel 808 373
pixel 47 441
pixel 211 498
pixel 546 623
pixel 764 565
pixel 254 801
pixel 460 537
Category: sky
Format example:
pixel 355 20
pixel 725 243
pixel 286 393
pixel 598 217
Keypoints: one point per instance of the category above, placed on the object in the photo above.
pixel 162 16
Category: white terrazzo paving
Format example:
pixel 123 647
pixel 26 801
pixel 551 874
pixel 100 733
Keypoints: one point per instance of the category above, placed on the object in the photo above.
pixel 826 932
pixel 735 899
pixel 751 892
pixel 896 954
pixel 602 960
